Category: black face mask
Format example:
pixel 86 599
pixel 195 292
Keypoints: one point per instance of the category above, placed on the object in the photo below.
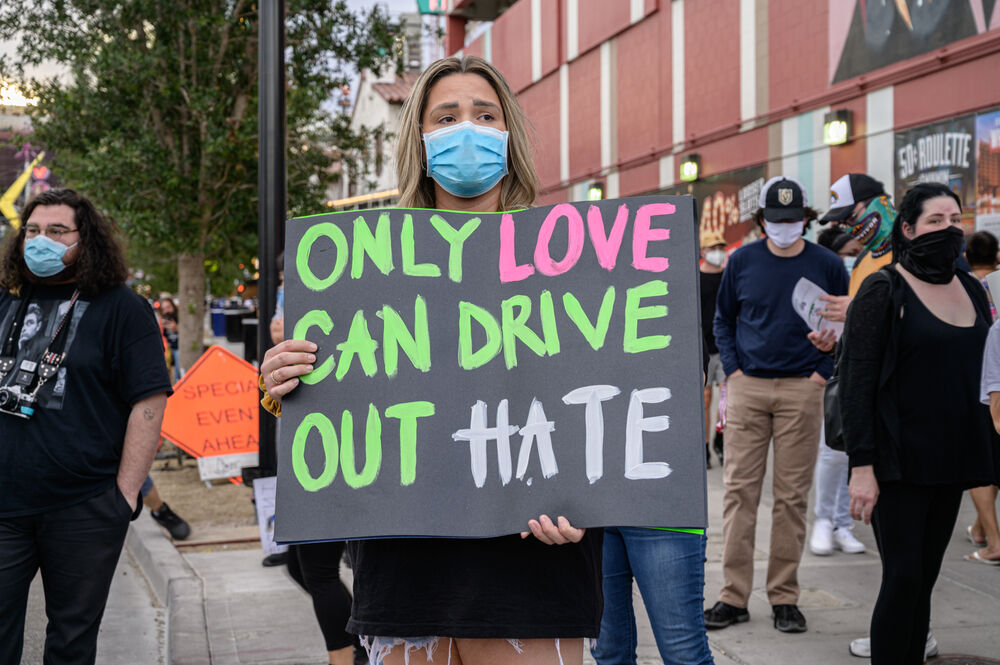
pixel 931 257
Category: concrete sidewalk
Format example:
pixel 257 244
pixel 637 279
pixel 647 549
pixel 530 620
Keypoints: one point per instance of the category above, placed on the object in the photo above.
pixel 224 608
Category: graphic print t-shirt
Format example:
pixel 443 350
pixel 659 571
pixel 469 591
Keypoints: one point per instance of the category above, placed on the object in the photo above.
pixel 69 450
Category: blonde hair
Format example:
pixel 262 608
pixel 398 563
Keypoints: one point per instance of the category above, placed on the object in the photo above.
pixel 416 189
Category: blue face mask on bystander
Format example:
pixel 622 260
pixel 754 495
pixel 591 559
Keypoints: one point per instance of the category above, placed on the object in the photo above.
pixel 44 256
pixel 466 159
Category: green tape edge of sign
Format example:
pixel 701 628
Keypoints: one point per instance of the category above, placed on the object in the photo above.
pixel 460 212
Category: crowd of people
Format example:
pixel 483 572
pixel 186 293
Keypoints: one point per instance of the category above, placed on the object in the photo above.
pixel 910 324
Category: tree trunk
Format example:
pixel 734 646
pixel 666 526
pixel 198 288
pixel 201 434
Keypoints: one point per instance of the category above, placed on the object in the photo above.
pixel 191 317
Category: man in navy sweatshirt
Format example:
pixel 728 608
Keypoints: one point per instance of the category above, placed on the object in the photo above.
pixel 775 390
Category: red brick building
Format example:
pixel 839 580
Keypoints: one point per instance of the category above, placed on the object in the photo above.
pixel 621 91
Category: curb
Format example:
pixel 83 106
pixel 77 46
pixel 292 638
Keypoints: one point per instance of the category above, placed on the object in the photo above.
pixel 177 588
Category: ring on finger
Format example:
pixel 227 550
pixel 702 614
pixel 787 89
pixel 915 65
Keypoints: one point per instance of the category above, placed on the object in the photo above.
pixel 274 379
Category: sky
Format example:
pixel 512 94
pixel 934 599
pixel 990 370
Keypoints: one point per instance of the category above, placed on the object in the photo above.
pixel 395 7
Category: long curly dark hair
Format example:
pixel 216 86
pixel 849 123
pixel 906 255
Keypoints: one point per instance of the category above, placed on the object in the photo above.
pixel 100 264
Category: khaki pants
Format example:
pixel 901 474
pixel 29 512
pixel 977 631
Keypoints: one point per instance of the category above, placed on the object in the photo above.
pixel 791 411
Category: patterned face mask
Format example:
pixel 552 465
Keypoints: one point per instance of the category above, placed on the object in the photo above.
pixel 873 227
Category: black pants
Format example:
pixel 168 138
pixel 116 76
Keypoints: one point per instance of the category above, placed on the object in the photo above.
pixel 77 550
pixel 316 567
pixel 913 524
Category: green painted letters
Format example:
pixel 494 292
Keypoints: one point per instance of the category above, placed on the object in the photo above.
pixel 378 247
pixel 329 436
pixel 549 329
pixel 455 240
pixel 395 335
pixel 408 412
pixel 320 319
pixel 359 343
pixel 409 267
pixel 309 279
pixel 515 328
pixel 634 313
pixel 594 334
pixel 467 358
pixel 373 449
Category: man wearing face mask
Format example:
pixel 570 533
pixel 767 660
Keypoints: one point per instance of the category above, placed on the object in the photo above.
pixel 80 413
pixel 775 379
pixel 713 249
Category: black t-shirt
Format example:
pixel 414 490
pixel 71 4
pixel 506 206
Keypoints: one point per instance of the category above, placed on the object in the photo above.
pixel 70 449
pixel 710 283
pixel 488 588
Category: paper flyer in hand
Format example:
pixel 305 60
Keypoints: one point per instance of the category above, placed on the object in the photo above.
pixel 806 301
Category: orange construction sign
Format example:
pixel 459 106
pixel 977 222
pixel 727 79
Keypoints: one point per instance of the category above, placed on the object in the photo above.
pixel 213 411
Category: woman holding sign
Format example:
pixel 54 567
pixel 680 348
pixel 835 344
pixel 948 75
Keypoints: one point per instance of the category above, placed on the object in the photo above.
pixel 463 145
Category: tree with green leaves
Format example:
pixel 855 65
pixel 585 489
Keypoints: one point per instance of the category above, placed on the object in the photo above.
pixel 155 118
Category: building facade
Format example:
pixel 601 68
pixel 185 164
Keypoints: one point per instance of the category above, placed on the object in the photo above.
pixel 621 92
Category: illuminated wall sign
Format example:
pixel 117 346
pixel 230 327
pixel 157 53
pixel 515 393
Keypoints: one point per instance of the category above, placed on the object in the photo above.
pixel 837 127
pixel 690 168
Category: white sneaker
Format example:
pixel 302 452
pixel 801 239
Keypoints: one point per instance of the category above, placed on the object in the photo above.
pixel 931 648
pixel 845 541
pixel 862 647
pixel 821 542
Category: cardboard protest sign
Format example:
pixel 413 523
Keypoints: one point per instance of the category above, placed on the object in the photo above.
pixel 477 370
pixel 213 414
pixel 263 500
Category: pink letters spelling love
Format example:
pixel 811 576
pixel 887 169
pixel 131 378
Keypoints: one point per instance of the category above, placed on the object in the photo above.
pixel 606 245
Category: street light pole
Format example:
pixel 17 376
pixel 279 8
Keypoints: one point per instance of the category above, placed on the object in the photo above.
pixel 271 192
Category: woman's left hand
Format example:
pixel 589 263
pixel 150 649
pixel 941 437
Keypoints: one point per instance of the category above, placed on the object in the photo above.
pixel 863 490
pixel 554 534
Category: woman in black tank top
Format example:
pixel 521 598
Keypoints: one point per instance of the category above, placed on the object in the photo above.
pixel 915 432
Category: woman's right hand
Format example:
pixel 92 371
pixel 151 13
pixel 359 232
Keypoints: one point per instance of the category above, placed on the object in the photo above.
pixel 560 532
pixel 863 490
pixel 284 363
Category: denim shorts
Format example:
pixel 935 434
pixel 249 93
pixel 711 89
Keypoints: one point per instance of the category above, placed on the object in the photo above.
pixel 378 647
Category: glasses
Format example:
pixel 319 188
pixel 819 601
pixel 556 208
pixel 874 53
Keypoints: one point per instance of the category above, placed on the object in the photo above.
pixel 55 232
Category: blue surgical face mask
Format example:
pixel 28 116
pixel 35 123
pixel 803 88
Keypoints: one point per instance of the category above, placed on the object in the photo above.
pixel 466 159
pixel 849 262
pixel 44 256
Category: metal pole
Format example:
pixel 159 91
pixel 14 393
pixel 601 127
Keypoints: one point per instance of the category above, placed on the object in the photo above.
pixel 271 191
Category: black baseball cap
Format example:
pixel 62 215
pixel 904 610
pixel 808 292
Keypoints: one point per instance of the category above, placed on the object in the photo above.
pixel 783 198
pixel 847 191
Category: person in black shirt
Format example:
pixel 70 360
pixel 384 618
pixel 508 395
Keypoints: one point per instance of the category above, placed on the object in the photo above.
pixel 79 420
pixel 713 250
pixel 528 598
pixel 915 432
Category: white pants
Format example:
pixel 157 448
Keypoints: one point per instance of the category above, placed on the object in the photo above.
pixel 832 499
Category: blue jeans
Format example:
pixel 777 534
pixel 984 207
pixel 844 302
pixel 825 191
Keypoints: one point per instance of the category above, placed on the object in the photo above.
pixel 669 567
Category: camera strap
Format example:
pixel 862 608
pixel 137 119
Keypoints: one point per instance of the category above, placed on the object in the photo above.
pixel 54 353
